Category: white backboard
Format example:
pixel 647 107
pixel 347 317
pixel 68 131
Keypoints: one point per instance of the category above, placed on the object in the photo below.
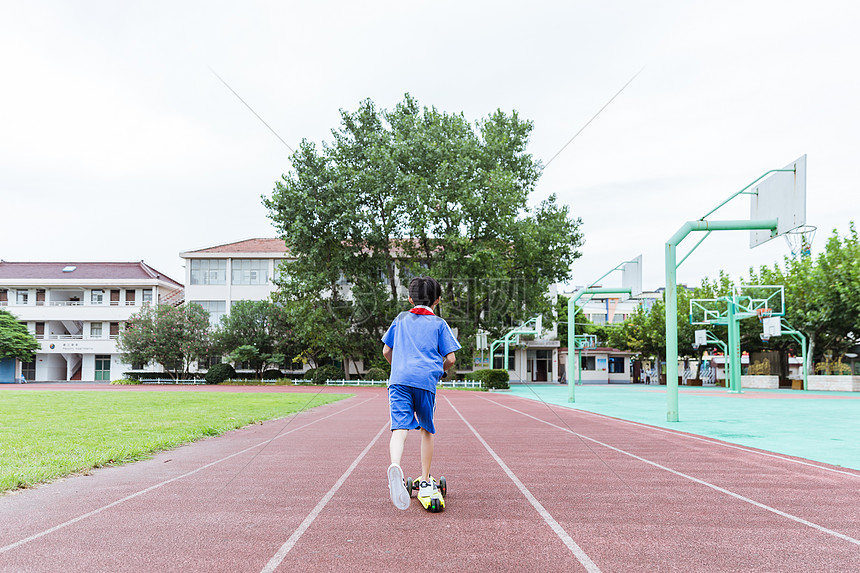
pixel 782 196
pixel 631 276
pixel 702 337
pixel 772 326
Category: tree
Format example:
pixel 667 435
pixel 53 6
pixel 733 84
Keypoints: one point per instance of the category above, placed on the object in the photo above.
pixel 256 332
pixel 15 340
pixel 406 192
pixel 172 336
pixel 822 295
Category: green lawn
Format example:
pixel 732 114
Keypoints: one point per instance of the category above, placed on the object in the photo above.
pixel 46 435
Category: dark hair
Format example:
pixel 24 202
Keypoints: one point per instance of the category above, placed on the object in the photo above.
pixel 424 290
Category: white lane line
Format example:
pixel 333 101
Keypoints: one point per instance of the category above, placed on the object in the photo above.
pixel 694 479
pixel 577 551
pixel 158 485
pixel 715 441
pixel 278 557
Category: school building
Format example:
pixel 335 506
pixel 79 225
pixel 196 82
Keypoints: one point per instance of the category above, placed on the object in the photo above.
pixel 76 311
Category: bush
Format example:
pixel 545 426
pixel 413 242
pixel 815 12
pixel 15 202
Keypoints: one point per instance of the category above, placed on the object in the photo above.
pixel 326 372
pixel 220 372
pixel 376 374
pixel 272 374
pixel 125 381
pixel 496 379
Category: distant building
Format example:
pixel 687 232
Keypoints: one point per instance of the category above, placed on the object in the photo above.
pixel 76 311
pixel 217 277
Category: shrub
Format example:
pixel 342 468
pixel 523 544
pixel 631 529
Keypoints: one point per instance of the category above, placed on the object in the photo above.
pixel 498 379
pixel 376 374
pixel 326 372
pixel 125 381
pixel 491 379
pixel 220 372
pixel 272 374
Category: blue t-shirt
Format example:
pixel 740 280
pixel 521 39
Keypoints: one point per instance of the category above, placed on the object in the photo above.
pixel 420 343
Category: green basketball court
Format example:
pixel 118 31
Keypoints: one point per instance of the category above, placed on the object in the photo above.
pixel 819 426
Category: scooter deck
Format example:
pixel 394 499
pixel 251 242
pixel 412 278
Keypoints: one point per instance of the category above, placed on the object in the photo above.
pixel 434 503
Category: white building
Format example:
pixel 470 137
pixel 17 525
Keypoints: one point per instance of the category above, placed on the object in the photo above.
pixel 76 311
pixel 216 277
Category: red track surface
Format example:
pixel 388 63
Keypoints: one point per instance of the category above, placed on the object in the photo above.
pixel 529 489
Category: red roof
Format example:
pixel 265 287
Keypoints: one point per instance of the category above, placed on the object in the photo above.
pixel 248 246
pixel 90 271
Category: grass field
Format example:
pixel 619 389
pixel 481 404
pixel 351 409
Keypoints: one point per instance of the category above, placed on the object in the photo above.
pixel 47 435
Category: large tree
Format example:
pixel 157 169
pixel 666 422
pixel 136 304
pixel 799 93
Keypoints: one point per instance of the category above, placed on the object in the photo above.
pixel 172 336
pixel 15 340
pixel 822 294
pixel 419 191
pixel 257 332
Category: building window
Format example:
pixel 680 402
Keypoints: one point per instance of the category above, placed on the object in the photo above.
pixel 250 272
pixel 147 296
pixel 208 271
pixel 215 308
pixel 97 296
pixel 616 365
pixel 499 360
pixel 102 367
pixel 22 297
pixel 96 329
pixel 588 363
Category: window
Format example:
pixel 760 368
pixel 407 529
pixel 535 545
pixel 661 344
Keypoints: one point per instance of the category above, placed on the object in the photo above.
pixel 208 271
pixel 499 359
pixel 102 367
pixel 215 308
pixel 588 363
pixel 147 296
pixel 97 296
pixel 96 329
pixel 616 365
pixel 250 272
pixel 22 297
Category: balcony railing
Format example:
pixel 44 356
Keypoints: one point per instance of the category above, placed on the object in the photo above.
pixel 75 337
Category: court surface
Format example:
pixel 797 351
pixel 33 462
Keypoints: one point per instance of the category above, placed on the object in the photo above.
pixel 531 487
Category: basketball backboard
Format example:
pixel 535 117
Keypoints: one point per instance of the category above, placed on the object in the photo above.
pixel 708 311
pixel 701 337
pixel 766 300
pixel 631 276
pixel 771 326
pixel 782 196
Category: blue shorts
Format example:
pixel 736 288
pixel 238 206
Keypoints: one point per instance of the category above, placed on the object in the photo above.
pixel 411 408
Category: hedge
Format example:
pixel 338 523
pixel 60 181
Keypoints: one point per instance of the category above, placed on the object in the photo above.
pixel 496 379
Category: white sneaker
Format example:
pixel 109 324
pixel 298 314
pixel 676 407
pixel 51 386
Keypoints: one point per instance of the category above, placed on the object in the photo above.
pixel 427 488
pixel 396 487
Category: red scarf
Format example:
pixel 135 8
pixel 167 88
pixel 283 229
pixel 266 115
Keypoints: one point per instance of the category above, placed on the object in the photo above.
pixel 421 310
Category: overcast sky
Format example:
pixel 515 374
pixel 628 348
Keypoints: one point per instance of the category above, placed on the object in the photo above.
pixel 118 143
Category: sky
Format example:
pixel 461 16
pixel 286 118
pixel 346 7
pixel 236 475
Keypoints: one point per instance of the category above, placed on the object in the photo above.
pixel 118 143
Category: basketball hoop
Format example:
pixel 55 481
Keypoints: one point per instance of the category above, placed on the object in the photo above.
pixel 800 240
pixel 763 313
pixel 764 337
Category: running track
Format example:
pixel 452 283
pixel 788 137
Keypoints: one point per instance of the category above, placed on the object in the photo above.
pixel 531 488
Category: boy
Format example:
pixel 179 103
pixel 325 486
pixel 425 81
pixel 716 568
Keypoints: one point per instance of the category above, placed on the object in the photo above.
pixel 420 348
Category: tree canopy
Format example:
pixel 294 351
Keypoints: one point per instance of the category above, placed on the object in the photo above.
pixel 256 332
pixel 15 340
pixel 413 191
pixel 172 336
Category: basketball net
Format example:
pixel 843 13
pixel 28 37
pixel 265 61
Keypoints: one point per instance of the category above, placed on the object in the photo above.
pixel 800 240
